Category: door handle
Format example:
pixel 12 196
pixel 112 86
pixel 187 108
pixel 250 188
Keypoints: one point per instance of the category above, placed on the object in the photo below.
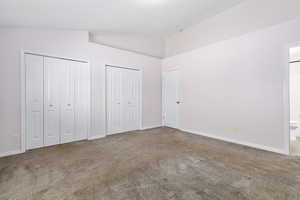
pixel 178 102
pixel 50 105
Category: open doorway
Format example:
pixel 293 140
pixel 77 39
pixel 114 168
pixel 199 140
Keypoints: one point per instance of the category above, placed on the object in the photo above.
pixel 295 101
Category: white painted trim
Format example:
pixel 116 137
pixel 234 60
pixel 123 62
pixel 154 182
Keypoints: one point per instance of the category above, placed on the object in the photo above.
pixel 141 98
pixel 286 99
pixel 23 100
pixel 131 51
pixel 124 67
pixel 169 69
pixel 96 137
pixel 55 56
pixel 151 127
pixel 163 99
pixel 89 132
pixel 256 146
pixel 105 101
pixel 286 94
pixel 10 153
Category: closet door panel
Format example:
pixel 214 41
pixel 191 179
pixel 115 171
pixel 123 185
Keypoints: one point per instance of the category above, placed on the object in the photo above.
pixel 34 101
pixel 67 128
pixel 135 99
pixel 53 71
pixel 131 94
pixel 82 100
pixel 114 100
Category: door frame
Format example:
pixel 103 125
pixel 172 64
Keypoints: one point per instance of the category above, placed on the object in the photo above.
pixel 140 70
pixel 164 72
pixel 286 95
pixel 23 91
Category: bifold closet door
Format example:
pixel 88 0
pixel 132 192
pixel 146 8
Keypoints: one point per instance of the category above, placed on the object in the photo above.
pixel 123 100
pixel 57 101
pixel 34 101
pixel 131 96
pixel 114 100
pixel 75 101
pixel 54 69
pixel 82 100
pixel 67 101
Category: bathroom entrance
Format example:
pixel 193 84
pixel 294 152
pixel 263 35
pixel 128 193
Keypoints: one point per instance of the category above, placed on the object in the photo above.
pixel 294 101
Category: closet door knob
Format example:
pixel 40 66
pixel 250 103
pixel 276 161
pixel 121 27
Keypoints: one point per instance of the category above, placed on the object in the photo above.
pixel 69 104
pixel 50 105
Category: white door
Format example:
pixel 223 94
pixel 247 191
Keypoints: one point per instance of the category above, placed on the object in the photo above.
pixel 57 101
pixel 123 100
pixel 53 71
pixel 171 103
pixel 131 95
pixel 82 100
pixel 34 101
pixel 114 100
pixel 67 90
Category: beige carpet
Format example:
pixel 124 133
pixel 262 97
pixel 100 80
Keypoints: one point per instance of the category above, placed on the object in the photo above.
pixel 157 164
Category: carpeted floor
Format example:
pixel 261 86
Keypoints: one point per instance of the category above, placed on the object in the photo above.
pixel 157 164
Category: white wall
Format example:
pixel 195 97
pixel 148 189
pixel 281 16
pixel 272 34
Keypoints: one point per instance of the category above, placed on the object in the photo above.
pixel 234 89
pixel 100 56
pixel 246 17
pixel 71 44
pixel 147 45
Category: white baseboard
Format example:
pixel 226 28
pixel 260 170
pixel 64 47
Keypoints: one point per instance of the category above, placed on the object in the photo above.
pixel 96 137
pixel 151 127
pixel 11 153
pixel 256 146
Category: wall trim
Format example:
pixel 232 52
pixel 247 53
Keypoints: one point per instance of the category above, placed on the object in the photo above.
pixel 248 144
pixel 151 127
pixel 11 153
pixel 286 93
pixel 129 50
pixel 15 152
pixel 96 137
pixel 23 100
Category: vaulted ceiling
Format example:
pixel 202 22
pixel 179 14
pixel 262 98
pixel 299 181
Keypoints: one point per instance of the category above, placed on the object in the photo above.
pixel 147 17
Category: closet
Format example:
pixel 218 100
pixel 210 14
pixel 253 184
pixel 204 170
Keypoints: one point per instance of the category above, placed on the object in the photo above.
pixel 57 101
pixel 123 92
